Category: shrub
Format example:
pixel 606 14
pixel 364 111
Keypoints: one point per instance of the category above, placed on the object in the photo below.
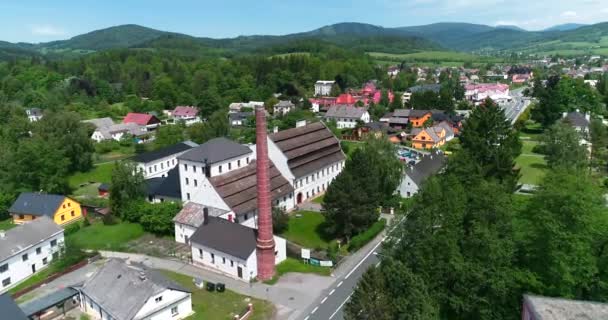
pixel 280 220
pixel 363 238
pixel 71 229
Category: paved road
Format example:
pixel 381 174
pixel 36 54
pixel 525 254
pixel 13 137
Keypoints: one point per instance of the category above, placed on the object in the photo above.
pixel 330 305
pixel 517 106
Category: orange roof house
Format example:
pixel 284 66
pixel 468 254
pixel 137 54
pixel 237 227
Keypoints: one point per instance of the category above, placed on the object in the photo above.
pixel 418 117
pixel 428 138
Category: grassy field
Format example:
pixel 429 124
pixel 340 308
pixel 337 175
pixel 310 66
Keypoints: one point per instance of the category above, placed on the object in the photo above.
pixel 220 305
pixel 426 55
pixel 533 165
pixel 294 265
pixel 98 236
pixel 7 224
pixel 306 230
pixel 100 173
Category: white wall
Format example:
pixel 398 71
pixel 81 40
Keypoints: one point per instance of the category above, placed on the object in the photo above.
pixel 408 187
pixel 196 187
pixel 19 270
pixel 183 231
pixel 225 263
pixel 280 248
pixel 160 167
pixel 161 310
pixel 90 307
pixel 317 182
pixel 280 161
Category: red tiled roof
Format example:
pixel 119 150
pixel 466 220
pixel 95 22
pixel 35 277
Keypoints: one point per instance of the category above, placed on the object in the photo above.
pixel 141 119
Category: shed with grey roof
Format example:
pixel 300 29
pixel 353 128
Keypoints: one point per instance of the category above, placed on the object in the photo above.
pixel 9 309
pixel 27 235
pixel 228 237
pixel 345 111
pixel 216 150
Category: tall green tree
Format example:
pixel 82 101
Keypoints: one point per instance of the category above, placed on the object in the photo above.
pixel 169 135
pixel 127 185
pixel 562 147
pixel 599 145
pixel 491 142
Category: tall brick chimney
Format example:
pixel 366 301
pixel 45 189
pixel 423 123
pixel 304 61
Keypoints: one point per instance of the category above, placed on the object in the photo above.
pixel 265 241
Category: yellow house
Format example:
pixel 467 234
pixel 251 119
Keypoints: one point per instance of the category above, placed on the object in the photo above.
pixel 29 206
pixel 428 138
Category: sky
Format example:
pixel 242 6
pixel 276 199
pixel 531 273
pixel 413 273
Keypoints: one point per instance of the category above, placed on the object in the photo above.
pixel 44 20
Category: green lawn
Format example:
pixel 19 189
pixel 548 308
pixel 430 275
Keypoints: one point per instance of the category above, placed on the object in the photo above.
pixel 319 199
pixel 533 165
pixel 306 230
pixel 98 236
pixel 295 265
pixel 7 224
pixel 100 173
pixel 221 305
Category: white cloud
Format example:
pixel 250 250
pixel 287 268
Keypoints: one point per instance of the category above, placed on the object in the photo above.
pixel 569 14
pixel 46 30
pixel 605 10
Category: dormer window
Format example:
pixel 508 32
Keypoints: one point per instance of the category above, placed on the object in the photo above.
pixel 158 299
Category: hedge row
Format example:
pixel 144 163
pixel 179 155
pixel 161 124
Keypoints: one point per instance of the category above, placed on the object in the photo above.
pixel 363 238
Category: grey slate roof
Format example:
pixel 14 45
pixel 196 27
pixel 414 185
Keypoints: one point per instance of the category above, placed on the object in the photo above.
pixel 224 236
pixel 284 104
pixel 401 113
pixel 577 119
pixel 546 308
pixel 164 152
pixel 122 290
pixel 216 150
pixel 427 166
pixel 130 128
pixel 100 122
pixel 9 308
pixel 37 204
pixel 425 87
pixel 345 111
pixel 27 235
pixel 168 186
pixel 192 214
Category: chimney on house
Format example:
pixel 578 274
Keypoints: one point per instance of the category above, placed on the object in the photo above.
pixel 265 241
pixel 205 215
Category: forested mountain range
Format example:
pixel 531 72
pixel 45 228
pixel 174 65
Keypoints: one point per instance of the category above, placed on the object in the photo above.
pixel 353 36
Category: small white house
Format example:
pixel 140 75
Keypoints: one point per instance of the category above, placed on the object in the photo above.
pixel 414 176
pixel 33 114
pixel 27 249
pixel 157 163
pixel 323 87
pixel 230 248
pixel 346 116
pixel 283 107
pixel 118 291
pixel 186 114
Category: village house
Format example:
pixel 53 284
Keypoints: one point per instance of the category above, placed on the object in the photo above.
pixel 191 217
pixel 27 249
pixel 428 138
pixel 106 130
pixel 10 309
pixel 239 119
pixel 308 156
pixel 33 114
pixel 393 71
pixel 157 163
pixel 579 121
pixel 415 175
pixel 347 116
pixel 239 106
pixel 31 206
pixel 323 87
pixel 548 308
pixel 145 120
pixel 283 107
pixel 419 117
pixel 186 114
pixel 477 93
pixel 118 291
pixel 398 119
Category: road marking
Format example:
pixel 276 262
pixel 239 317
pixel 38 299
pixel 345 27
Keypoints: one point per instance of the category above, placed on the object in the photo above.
pixel 306 317
pixel 332 292
pixel 314 310
pixel 363 260
pixel 339 284
pixel 323 301
pixel 340 307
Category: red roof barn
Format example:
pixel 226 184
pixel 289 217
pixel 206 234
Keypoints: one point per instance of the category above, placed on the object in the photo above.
pixel 141 119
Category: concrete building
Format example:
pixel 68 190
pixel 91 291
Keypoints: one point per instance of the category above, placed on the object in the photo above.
pixel 283 107
pixel 118 291
pixel 347 116
pixel 308 156
pixel 157 163
pixel 27 249
pixel 323 87
pixel 190 218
